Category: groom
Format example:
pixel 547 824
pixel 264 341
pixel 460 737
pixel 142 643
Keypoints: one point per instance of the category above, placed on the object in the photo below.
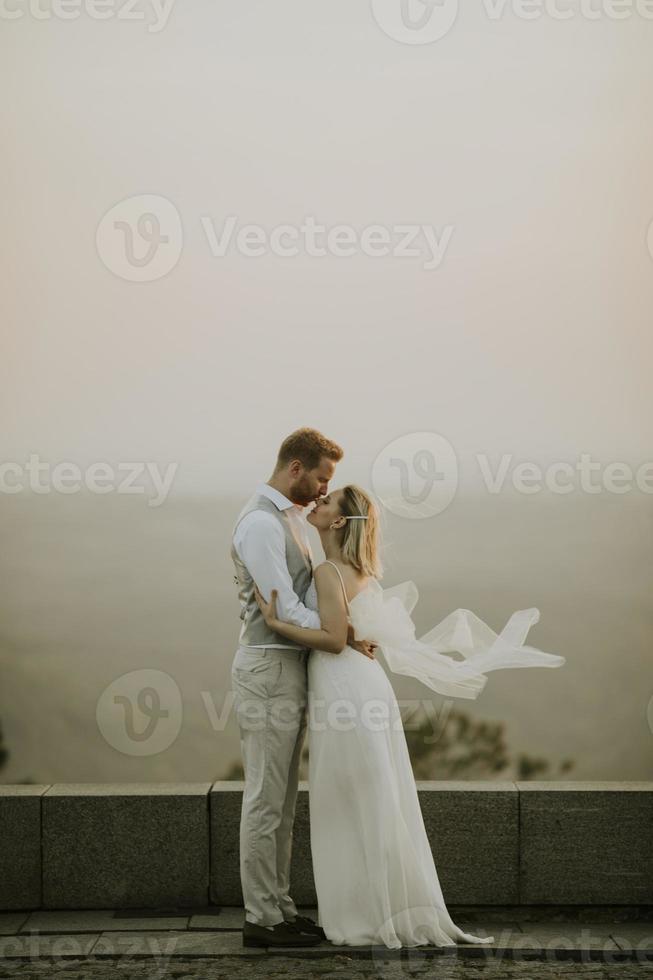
pixel 271 549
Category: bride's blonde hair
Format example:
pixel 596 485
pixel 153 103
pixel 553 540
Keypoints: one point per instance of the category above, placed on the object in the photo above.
pixel 361 541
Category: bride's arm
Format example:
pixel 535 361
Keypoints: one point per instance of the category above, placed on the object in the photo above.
pixel 332 637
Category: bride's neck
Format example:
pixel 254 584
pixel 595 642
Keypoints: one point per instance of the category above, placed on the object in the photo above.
pixel 331 548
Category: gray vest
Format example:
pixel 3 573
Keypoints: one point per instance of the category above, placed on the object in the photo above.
pixel 254 630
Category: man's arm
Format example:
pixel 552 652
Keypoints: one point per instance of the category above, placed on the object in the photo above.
pixel 334 633
pixel 331 637
pixel 261 544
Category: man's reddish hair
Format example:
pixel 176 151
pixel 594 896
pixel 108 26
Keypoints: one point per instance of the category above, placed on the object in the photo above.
pixel 308 446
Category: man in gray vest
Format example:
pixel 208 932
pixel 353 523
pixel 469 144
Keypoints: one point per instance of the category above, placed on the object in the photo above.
pixel 269 677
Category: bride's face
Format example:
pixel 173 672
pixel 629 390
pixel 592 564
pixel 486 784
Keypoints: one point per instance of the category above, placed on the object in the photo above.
pixel 326 511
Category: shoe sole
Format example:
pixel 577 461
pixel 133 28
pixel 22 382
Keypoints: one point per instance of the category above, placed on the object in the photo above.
pixel 251 941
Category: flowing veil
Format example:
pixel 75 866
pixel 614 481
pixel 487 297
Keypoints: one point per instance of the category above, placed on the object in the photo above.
pixel 384 615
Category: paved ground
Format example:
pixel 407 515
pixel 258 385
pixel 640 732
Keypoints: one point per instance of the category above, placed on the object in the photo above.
pixel 337 968
pixel 588 943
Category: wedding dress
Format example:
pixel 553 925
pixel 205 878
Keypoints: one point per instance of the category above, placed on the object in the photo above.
pixel 374 872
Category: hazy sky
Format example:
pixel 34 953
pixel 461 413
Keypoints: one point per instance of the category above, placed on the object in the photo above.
pixel 524 145
pixel 145 160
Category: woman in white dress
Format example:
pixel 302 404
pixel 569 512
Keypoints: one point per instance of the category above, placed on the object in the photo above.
pixel 375 876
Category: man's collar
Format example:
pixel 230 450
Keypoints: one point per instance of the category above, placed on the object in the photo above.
pixel 277 498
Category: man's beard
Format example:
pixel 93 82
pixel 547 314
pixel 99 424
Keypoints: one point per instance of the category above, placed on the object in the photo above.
pixel 302 493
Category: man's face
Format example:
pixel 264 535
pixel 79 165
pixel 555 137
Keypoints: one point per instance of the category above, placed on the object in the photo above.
pixel 310 485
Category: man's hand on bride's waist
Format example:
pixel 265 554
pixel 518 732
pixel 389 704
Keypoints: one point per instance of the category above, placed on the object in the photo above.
pixel 269 609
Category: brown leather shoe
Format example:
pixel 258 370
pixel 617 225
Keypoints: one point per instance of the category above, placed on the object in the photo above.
pixel 283 934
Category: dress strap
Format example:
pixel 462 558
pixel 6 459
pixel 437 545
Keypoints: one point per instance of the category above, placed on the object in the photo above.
pixel 342 581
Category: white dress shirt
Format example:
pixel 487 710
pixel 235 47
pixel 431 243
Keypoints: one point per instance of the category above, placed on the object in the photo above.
pixel 260 542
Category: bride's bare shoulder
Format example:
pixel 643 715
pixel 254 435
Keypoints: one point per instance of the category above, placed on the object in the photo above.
pixel 324 570
pixel 327 572
pixel 326 578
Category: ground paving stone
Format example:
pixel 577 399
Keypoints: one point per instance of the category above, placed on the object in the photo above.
pixel 634 935
pixel 542 944
pixel 339 967
pixel 98 920
pixel 10 922
pixel 558 935
pixel 169 944
pixel 35 945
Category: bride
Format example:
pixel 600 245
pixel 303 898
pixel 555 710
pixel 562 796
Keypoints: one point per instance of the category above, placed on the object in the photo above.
pixel 375 876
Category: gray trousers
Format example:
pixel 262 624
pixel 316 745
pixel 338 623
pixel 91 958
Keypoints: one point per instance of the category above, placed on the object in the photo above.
pixel 270 697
